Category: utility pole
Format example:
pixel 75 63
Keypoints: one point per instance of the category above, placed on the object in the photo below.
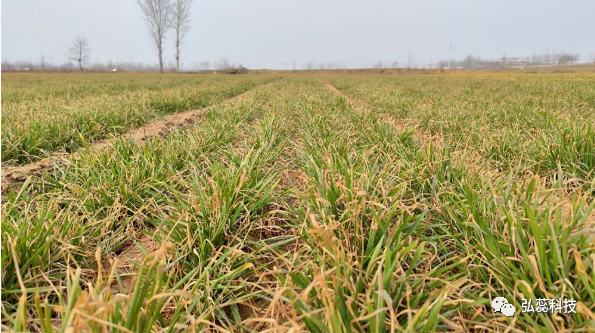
pixel 450 56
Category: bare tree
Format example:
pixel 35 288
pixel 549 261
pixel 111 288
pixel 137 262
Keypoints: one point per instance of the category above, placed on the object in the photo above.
pixel 206 65
pixel 80 51
pixel 157 13
pixel 567 58
pixel 42 62
pixel 181 14
pixel 223 63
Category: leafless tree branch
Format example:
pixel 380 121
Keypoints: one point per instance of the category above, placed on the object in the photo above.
pixel 181 18
pixel 157 14
pixel 79 51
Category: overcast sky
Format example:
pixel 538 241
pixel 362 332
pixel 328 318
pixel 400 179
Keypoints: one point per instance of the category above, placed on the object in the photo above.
pixel 273 33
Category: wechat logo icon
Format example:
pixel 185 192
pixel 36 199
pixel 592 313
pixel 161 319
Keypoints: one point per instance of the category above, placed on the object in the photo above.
pixel 500 304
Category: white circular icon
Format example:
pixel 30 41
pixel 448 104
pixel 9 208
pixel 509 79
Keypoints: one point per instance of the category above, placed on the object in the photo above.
pixel 507 310
pixel 500 304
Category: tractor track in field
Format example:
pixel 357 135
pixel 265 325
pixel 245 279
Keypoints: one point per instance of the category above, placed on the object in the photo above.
pixel 356 104
pixel 159 127
pixel 471 160
pixel 361 106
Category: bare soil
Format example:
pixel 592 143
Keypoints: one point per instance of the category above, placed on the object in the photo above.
pixel 159 127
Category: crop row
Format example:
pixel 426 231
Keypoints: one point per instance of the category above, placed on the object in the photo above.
pixel 35 127
pixel 291 209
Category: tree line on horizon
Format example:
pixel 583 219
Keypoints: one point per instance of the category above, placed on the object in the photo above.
pixel 225 65
pixel 538 59
pixel 160 16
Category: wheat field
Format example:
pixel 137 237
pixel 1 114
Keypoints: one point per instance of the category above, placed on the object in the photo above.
pixel 288 202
